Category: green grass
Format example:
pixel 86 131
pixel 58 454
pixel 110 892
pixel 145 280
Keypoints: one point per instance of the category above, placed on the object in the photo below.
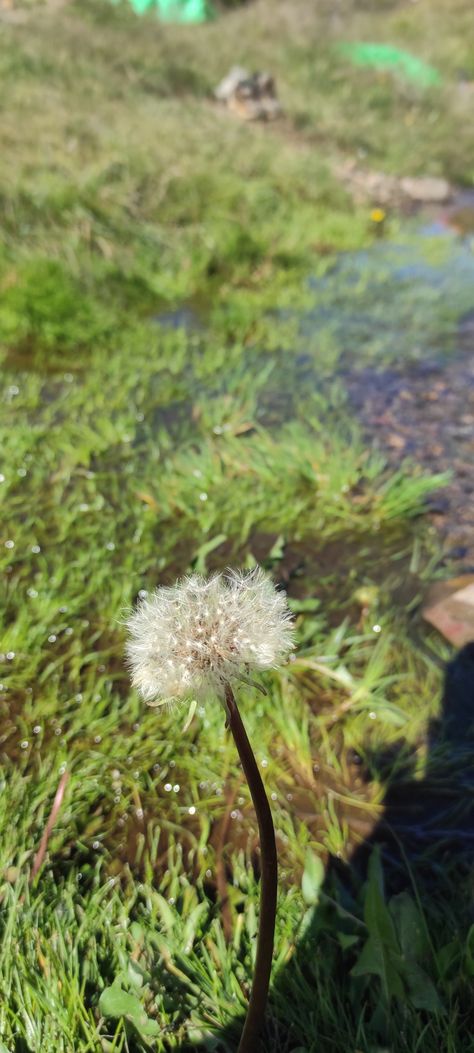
pixel 134 451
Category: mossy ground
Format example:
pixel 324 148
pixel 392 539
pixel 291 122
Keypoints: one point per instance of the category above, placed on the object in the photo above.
pixel 134 450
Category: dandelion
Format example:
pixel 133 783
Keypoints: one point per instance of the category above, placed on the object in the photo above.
pixel 190 640
pixel 193 641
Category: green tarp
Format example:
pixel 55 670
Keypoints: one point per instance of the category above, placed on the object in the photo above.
pixel 388 57
pixel 175 10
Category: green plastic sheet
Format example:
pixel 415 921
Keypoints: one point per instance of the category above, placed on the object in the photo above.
pixel 388 57
pixel 175 10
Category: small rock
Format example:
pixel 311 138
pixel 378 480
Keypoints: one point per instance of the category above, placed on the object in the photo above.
pixel 396 442
pixel 384 189
pixel 450 609
pixel 426 189
pixel 252 96
pixel 230 83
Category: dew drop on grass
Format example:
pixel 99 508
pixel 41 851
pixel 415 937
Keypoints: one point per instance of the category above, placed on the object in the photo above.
pixel 372 715
pixel 9 543
pixel 168 787
pixel 376 628
pixel 24 745
pixel 52 638
pixel 264 763
pixel 176 787
pixel 22 472
pixel 97 739
pixel 203 496
pixel 2 478
pixel 139 813
pixel 10 656
pixel 96 845
pixel 274 796
pixel 32 593
pixel 156 767
pixel 135 726
pixel 35 549
pixel 58 731
pixel 289 796
pixel 192 810
pixel 36 729
pixel 143 593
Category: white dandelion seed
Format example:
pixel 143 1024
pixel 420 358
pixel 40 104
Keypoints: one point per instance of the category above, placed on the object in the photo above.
pixel 191 639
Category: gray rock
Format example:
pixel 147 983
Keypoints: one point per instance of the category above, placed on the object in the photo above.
pixel 426 189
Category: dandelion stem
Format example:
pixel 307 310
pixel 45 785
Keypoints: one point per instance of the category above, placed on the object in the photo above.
pixel 268 886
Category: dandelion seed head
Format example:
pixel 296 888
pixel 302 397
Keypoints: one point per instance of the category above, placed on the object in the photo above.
pixel 191 639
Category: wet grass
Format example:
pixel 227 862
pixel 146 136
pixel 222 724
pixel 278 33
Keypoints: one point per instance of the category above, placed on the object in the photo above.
pixel 136 449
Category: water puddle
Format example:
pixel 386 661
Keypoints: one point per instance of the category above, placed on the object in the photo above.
pixel 399 318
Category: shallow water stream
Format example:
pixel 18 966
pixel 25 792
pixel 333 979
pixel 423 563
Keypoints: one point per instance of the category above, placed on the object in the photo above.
pixel 401 315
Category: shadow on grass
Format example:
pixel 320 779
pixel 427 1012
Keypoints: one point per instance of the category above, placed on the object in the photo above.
pixel 376 963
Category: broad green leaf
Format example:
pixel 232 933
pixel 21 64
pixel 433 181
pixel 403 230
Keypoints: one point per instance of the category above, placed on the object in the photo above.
pixel 115 1002
pixel 381 953
pixel 423 994
pixel 447 956
pixel 136 976
pixel 410 926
